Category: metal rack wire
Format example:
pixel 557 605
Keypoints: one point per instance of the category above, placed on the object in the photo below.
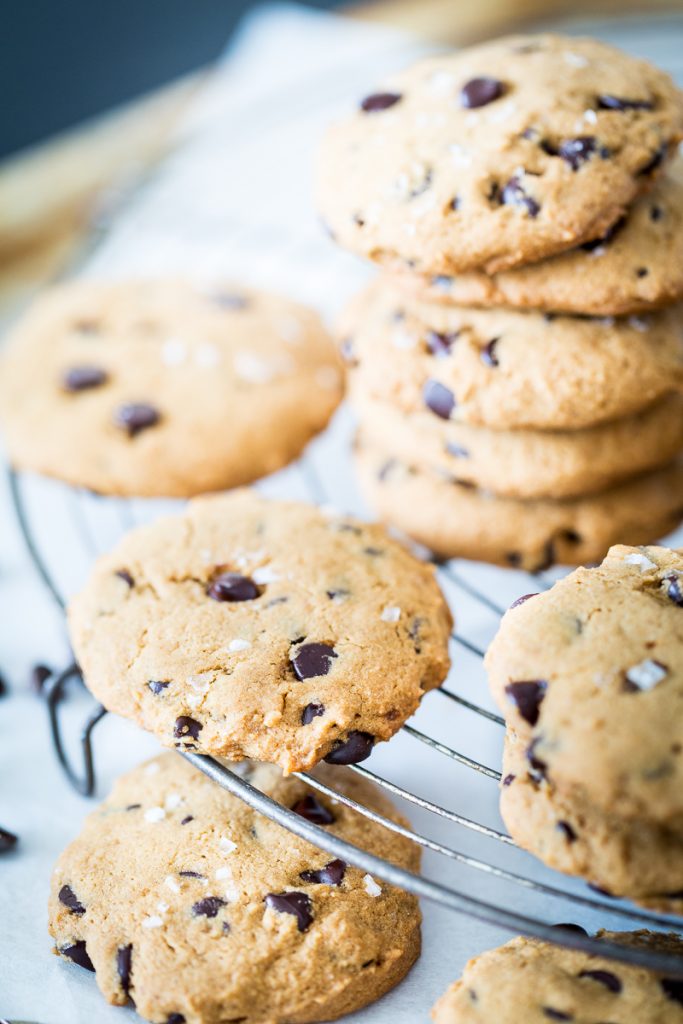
pixel 82 778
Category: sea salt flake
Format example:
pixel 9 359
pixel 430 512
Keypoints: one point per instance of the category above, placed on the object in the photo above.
pixel 207 356
pixel 223 873
pixel 371 887
pixel 155 814
pixel 461 157
pixel 226 845
pixel 152 922
pixel 257 370
pixel 641 560
pixel 391 613
pixel 162 907
pixel 575 59
pixel 200 683
pixel 172 801
pixel 171 883
pixel 264 575
pixel 647 674
pixel 590 117
pixel 238 645
pixel 173 352
pixel 152 768
pixel 403 341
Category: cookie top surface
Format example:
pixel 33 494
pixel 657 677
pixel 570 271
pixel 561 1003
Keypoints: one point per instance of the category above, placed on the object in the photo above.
pixel 638 266
pixel 497 155
pixel 457 520
pixel 531 982
pixel 253 628
pixel 164 388
pixel 508 369
pixel 591 673
pixel 201 910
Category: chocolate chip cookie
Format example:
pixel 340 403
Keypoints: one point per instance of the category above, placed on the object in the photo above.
pixel 164 387
pixel 498 155
pixel 456 520
pixel 198 910
pixel 528 463
pixel 253 628
pixel 635 267
pixel 527 981
pixel 590 675
pixel 508 369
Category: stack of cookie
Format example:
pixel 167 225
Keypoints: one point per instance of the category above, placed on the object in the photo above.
pixel 589 676
pixel 517 377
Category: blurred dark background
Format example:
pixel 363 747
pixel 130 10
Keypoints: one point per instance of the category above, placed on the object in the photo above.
pixel 62 61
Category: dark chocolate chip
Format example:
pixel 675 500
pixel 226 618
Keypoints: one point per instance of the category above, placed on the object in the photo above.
pixel 656 212
pixel 125 576
pixel 124 963
pixel 655 160
pixel 230 586
pixel 313 660
pixel 439 280
pixel 134 417
pixel 187 819
pixel 440 343
pixel 133 807
pixel 567 831
pixel 296 903
pixel 608 102
pixel 379 101
pixel 175 1018
pixel 68 897
pixel 208 907
pixel 595 243
pixel 605 978
pixel 38 677
pixel 357 747
pixel 480 91
pixel 310 712
pixel 521 600
pixel 310 808
pixel 509 779
pixel 79 954
pixel 190 874
pixel 82 378
pixel 539 767
pixel 331 874
pixel 513 194
pixel 674 590
pixel 576 152
pixel 185 726
pixel 642 272
pixel 338 592
pixel 157 686
pixel 488 353
pixel 439 399
pixel 8 840
pixel 422 185
pixel 457 450
pixel 527 696
pixel 673 989
pixel 552 1014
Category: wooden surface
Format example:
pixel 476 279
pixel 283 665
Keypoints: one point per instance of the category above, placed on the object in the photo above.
pixel 49 194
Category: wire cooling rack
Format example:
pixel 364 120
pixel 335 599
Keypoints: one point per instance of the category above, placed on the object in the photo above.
pixel 499 878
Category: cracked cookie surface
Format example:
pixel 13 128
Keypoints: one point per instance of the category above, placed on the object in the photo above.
pixel 183 899
pixel 254 628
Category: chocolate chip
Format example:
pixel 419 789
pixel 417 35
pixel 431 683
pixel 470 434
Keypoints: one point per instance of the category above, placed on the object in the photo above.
pixel 357 747
pixel 605 978
pixel 673 989
pixel 133 417
pixel 642 272
pixel 310 712
pixel 338 591
pixel 190 874
pixel 527 697
pixel 331 874
pixel 488 353
pixel 3 687
pixel 674 591
pixel 521 600
pixel 595 243
pixel 82 378
pixel 230 586
pixel 439 281
pixel 608 102
pixel 422 186
pixel 124 963
pixel 556 1014
pixel 655 160
pixel 576 928
pixel 457 450
pixel 187 819
pixel 124 575
pixel 539 767
pixel 175 1018
pixel 513 194
pixel 8 840
pixel 656 213
pixel 157 686
pixel 439 399
pixel 509 779
pixel 133 807
pixel 185 726
pixel 440 343
pixel 379 101
pixel 79 954
pixel 480 91
pixel 296 903
pixel 567 831
pixel 576 152
pixel 313 660
pixel 310 808
pixel 68 897
pixel 208 907
pixel 229 300
pixel 38 677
